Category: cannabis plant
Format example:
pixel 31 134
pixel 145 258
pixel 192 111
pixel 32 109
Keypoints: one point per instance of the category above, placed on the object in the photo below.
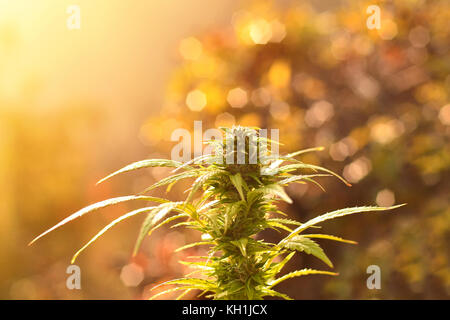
pixel 240 183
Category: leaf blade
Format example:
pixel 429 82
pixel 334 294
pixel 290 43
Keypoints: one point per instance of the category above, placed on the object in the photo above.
pixel 299 273
pixel 143 164
pixel 335 214
pixel 109 226
pixel 94 207
pixel 154 216
pixel 303 244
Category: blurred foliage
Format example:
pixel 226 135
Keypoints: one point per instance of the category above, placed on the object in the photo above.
pixel 378 100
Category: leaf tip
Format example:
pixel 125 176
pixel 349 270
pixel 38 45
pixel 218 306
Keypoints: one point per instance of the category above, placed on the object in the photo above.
pixel 396 206
pixel 37 238
pixel 100 181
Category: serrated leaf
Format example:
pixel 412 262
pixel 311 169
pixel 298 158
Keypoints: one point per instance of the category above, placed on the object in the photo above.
pixel 109 226
pixel 242 245
pixel 286 221
pixel 196 283
pixel 336 214
pixel 94 207
pixel 195 160
pixel 153 217
pixel 184 293
pixel 329 237
pixel 170 219
pixel 197 184
pixel 173 178
pixel 299 273
pixel 297 153
pixel 203 265
pixel 308 246
pixel 277 190
pixel 274 225
pixel 273 293
pixel 144 164
pixel 190 245
pixel 289 157
pixel 238 183
pixel 295 178
pixel 294 166
pixel 171 290
pixel 277 267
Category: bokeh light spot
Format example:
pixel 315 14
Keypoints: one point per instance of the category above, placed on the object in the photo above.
pixel 190 48
pixel 388 30
pixel 385 198
pixel 419 37
pixel 319 113
pixel 357 170
pixel 237 97
pixel 261 97
pixel 132 275
pixel 196 100
pixel 260 31
pixel 225 120
pixel 280 74
pixel 280 110
pixel 444 115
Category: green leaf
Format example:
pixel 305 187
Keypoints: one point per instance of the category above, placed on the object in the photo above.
pixel 238 183
pixel 197 184
pixel 172 218
pixel 294 166
pixel 297 153
pixel 276 225
pixel 144 164
pixel 307 177
pixel 329 237
pixel 153 217
pixel 285 221
pixel 196 283
pixel 173 178
pixel 195 160
pixel 336 214
pixel 316 183
pixel 242 245
pixel 289 157
pixel 184 293
pixel 202 265
pixel 171 290
pixel 276 190
pixel 273 293
pixel 276 268
pixel 307 245
pixel 299 273
pixel 190 245
pixel 94 207
pixel 113 223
